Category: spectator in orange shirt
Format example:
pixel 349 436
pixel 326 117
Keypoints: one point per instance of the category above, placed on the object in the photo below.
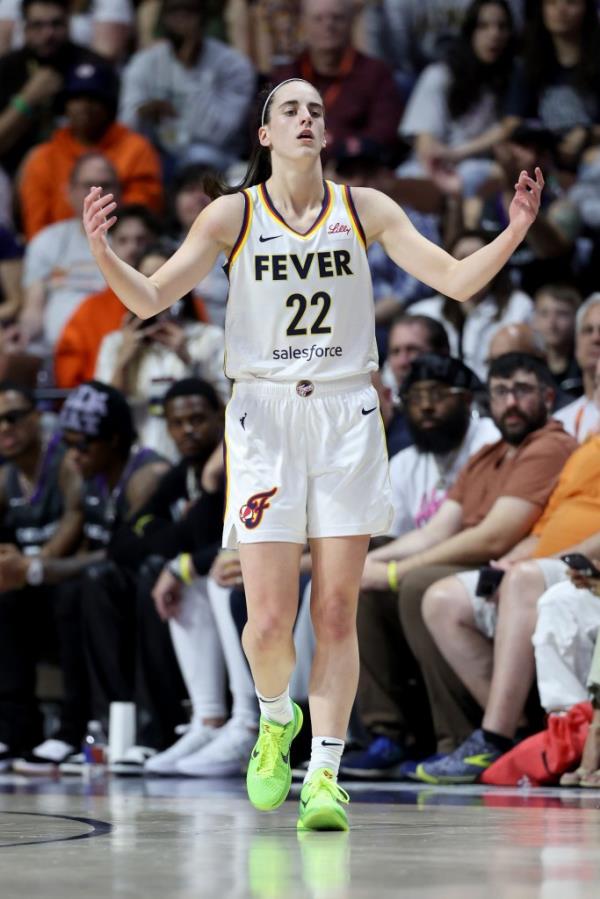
pixel 77 348
pixel 91 92
pixel 500 676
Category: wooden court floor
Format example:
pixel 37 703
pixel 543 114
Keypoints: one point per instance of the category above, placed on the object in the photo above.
pixel 185 839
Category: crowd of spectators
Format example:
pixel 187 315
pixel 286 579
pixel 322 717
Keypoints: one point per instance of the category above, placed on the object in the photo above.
pixel 471 627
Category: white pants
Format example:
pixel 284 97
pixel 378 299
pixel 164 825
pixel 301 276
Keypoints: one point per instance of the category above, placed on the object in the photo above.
pixel 485 611
pixel 564 640
pixel 208 647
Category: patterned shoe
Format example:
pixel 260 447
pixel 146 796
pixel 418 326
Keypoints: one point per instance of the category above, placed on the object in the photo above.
pixel 379 761
pixel 269 775
pixel 463 766
pixel 321 803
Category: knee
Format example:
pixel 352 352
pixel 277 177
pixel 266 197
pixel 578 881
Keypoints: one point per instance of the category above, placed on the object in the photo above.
pixel 522 585
pixel 334 617
pixel 439 606
pixel 267 628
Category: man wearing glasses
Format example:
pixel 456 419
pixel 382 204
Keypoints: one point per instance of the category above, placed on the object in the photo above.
pixel 32 78
pixel 499 675
pixel 496 500
pixel 98 445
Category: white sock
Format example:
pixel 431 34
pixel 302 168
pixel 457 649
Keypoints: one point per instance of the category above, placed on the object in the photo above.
pixel 325 752
pixel 277 708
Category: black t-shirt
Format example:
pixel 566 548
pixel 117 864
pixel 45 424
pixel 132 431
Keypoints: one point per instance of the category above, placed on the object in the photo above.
pixel 560 104
pixel 16 68
pixel 179 517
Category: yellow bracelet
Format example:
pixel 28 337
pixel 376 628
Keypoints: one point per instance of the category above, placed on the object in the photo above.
pixel 185 568
pixel 392 575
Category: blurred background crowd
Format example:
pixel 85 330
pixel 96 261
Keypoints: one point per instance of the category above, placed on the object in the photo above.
pixel 112 484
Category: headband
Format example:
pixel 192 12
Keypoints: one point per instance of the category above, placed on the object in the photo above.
pixel 275 89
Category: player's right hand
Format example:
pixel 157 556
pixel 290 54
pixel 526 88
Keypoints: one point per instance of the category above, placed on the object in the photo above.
pixel 97 218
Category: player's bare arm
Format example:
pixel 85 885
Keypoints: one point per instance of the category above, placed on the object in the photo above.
pixel 215 231
pixel 384 221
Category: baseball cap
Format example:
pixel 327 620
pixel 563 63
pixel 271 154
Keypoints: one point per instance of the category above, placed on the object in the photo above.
pixel 92 79
pixel 445 369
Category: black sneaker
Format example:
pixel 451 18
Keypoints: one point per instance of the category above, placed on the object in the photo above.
pixel 132 763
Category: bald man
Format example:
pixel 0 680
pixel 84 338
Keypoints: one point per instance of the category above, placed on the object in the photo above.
pixel 362 103
pixel 516 338
pixel 522 338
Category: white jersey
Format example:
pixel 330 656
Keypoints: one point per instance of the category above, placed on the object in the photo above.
pixel 300 305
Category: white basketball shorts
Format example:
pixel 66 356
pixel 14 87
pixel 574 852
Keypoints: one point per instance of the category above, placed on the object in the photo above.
pixel 305 459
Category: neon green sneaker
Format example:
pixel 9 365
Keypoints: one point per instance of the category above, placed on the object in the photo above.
pixel 320 800
pixel 269 774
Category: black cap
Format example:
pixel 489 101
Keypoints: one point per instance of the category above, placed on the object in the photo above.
pixel 98 411
pixel 445 369
pixel 91 79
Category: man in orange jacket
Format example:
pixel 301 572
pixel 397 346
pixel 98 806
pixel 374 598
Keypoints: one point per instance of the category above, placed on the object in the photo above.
pixel 91 92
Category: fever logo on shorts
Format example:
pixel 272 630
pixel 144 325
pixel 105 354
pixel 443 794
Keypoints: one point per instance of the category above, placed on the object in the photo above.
pixel 253 510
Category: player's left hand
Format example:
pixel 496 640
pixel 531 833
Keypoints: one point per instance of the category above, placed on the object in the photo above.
pixel 525 204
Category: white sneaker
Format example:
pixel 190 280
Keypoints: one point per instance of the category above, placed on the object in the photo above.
pixel 132 763
pixel 45 758
pixel 74 764
pixel 225 756
pixel 195 737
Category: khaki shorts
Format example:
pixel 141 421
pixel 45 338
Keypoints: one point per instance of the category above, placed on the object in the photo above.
pixel 485 611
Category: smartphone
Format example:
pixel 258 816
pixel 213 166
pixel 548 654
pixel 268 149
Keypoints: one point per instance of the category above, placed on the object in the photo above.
pixel 489 581
pixel 579 562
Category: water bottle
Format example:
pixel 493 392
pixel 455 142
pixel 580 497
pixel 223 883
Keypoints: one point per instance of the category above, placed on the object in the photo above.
pixel 94 748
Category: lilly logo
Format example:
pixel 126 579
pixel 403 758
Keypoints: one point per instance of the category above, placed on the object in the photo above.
pixel 253 510
pixel 339 230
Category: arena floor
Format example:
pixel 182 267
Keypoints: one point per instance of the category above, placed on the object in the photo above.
pixel 190 838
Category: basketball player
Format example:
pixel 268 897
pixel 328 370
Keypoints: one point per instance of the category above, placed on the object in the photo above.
pixel 305 449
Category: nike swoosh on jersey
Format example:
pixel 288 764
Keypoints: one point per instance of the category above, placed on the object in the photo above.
pixel 368 411
pixel 265 239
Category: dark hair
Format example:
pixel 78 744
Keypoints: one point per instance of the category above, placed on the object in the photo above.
pixel 470 76
pixel 506 365
pixel 259 164
pixel 142 213
pixel 183 309
pixel 25 4
pixel 12 386
pixel 539 54
pixel 437 336
pixel 194 387
pixel 565 293
pixel 195 174
pixel 500 286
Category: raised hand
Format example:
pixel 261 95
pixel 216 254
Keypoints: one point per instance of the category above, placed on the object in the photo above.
pixel 526 201
pixel 97 219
